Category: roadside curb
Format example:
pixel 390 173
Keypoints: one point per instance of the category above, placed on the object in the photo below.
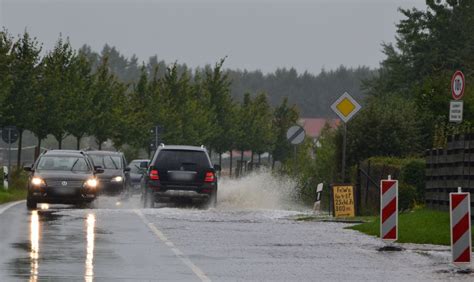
pixel 325 219
pixel 6 206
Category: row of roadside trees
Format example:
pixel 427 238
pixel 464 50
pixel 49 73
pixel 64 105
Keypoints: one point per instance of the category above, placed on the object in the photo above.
pixel 60 93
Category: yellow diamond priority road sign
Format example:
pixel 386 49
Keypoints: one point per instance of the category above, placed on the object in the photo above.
pixel 345 107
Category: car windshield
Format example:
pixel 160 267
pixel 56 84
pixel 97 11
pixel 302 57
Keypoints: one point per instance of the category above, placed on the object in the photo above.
pixel 182 160
pixel 135 167
pixel 63 163
pixel 107 161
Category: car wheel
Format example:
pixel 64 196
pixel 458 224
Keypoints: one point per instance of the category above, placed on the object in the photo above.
pixel 31 204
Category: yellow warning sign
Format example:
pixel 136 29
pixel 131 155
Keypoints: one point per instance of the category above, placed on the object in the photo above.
pixel 343 196
pixel 345 107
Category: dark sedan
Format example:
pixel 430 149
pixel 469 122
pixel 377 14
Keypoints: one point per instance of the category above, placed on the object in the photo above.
pixel 116 175
pixel 62 177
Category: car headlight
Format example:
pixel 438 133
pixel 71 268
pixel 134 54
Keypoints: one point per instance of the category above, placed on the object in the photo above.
pixel 117 179
pixel 37 181
pixel 92 183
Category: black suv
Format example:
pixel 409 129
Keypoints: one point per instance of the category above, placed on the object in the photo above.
pixel 114 180
pixel 62 177
pixel 180 172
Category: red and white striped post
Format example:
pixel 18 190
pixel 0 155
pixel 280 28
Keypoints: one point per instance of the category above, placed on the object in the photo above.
pixel 460 215
pixel 389 209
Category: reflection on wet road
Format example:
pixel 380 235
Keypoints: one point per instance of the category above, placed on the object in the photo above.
pixel 35 232
pixel 34 242
pixel 124 242
pixel 89 274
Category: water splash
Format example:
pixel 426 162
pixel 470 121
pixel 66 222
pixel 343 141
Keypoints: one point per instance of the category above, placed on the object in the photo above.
pixel 258 190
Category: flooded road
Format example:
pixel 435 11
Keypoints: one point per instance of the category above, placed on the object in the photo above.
pixel 119 241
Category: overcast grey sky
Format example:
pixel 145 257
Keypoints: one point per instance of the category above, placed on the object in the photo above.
pixel 258 34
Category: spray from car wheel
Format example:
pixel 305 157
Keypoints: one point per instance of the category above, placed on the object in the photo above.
pixel 257 190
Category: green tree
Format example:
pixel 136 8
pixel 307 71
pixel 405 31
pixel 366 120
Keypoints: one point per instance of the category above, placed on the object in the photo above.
pixel 284 117
pixel 24 85
pixel 106 94
pixel 245 126
pixel 6 78
pixel 420 65
pixel 57 77
pixel 181 109
pixel 80 98
pixel 217 84
pixel 386 126
pixel 40 115
pixel 140 118
pixel 263 134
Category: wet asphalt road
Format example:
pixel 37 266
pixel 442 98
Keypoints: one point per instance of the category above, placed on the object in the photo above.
pixel 126 243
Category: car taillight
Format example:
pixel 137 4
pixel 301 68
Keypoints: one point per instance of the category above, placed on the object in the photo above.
pixel 154 175
pixel 210 177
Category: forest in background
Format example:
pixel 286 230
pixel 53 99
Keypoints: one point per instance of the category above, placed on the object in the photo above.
pixel 312 94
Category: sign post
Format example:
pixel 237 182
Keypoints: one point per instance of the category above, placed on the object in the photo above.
pixel 455 111
pixel 317 203
pixel 343 195
pixel 460 219
pixel 295 135
pixel 5 177
pixel 9 136
pixel 345 107
pixel 156 139
pixel 389 209
pixel 458 85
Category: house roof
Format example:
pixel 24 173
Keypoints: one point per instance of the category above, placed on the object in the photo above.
pixel 314 126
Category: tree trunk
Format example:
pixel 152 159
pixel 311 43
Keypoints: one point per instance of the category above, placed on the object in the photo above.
pixel 60 142
pixel 241 161
pixel 100 146
pixel 78 145
pixel 20 141
pixel 220 160
pixel 230 169
pixel 273 164
pixel 38 149
pixel 259 158
pixel 252 166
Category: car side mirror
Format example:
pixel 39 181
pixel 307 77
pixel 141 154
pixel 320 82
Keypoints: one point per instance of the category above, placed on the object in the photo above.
pixel 127 169
pixel 217 167
pixel 98 169
pixel 28 168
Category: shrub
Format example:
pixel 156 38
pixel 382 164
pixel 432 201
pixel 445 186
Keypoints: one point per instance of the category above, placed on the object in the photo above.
pixel 413 173
pixel 19 179
pixel 406 196
pixel 409 171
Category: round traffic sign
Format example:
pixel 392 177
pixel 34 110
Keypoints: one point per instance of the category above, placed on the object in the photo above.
pixel 458 84
pixel 9 134
pixel 295 134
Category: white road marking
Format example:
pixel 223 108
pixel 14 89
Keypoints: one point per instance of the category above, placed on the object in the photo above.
pixel 2 210
pixel 199 273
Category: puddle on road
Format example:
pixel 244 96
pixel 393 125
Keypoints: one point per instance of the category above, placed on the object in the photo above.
pixel 43 232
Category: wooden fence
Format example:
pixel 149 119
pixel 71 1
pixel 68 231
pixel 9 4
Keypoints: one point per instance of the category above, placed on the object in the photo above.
pixel 449 168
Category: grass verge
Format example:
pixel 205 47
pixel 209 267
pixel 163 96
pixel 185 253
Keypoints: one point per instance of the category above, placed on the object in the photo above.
pixel 12 195
pixel 420 226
